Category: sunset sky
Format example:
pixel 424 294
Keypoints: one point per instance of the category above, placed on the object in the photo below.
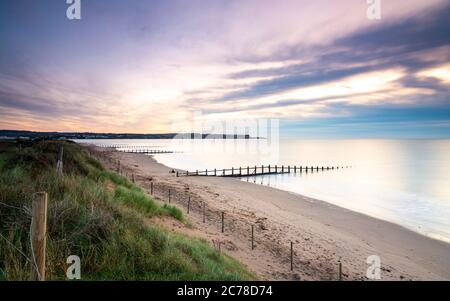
pixel 321 67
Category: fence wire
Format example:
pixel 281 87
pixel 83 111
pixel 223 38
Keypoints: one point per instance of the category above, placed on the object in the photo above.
pixel 33 260
pixel 211 216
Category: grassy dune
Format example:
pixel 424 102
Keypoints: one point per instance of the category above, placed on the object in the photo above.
pixel 97 215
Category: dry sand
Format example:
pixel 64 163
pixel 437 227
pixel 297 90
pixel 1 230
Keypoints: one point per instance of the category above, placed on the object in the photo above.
pixel 322 234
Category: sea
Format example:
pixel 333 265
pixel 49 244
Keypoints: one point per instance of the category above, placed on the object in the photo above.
pixel 406 182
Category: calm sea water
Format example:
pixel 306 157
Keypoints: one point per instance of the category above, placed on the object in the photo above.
pixel 402 181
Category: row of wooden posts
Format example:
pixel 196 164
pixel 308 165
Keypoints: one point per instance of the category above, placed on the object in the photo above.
pixel 252 229
pixel 39 229
pixel 124 147
pixel 146 151
pixel 257 170
pixel 222 226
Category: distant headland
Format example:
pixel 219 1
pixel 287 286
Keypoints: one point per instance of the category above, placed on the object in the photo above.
pixel 9 134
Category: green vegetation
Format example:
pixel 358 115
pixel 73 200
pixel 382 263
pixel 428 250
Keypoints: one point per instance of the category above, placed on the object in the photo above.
pixel 97 215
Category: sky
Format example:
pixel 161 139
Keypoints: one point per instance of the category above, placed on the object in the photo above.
pixel 322 68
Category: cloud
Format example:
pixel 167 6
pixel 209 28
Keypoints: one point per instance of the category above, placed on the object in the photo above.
pixel 137 66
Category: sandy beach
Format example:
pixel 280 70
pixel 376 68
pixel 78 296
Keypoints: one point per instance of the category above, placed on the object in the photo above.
pixel 322 234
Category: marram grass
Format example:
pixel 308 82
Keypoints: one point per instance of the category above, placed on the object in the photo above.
pixel 97 215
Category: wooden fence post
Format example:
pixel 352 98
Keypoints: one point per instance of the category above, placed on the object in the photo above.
pixel 292 256
pixel 223 225
pixel 189 204
pixel 169 196
pixel 253 230
pixel 340 270
pixel 59 163
pixel 132 178
pixel 38 233
pixel 204 220
pixel 151 188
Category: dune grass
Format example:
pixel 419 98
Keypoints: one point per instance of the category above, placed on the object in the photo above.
pixel 97 215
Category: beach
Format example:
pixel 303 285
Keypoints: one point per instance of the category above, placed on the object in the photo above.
pixel 322 234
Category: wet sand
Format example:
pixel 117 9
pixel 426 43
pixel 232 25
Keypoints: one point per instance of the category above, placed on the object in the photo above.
pixel 322 234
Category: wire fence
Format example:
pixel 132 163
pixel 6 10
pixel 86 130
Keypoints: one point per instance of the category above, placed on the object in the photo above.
pixel 194 205
pixel 226 222
pixel 32 260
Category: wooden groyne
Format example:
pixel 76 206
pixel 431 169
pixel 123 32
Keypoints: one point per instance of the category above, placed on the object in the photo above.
pixel 124 148
pixel 257 171
pixel 127 146
pixel 146 151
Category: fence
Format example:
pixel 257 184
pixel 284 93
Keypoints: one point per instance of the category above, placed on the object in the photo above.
pixel 38 224
pixel 217 217
pixel 37 235
pixel 225 223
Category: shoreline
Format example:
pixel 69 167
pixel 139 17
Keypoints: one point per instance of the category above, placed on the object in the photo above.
pixel 323 234
pixel 316 199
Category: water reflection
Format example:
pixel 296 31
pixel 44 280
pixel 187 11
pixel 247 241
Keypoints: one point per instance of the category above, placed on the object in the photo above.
pixel 402 181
